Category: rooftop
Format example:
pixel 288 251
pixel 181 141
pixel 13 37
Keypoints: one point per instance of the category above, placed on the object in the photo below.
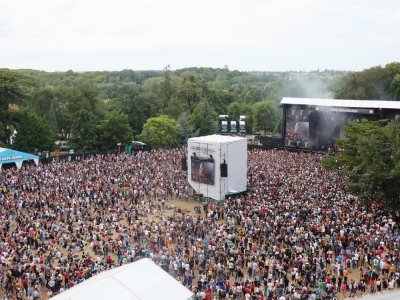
pixel 216 138
pixel 379 104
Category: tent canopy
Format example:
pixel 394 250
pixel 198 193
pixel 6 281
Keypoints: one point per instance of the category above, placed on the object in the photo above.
pixel 141 280
pixel 13 156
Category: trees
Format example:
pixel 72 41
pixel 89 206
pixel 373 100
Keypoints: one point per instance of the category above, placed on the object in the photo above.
pixel 204 118
pixel 12 88
pixel 33 134
pixel 370 158
pixel 84 131
pixel 185 129
pixel 235 109
pixel 115 129
pixel 379 83
pixel 219 100
pixel 394 71
pixel 58 97
pixel 252 94
pixel 264 116
pixel 166 87
pixel 136 106
pixel 395 87
pixel 160 132
pixel 3 135
pixel 191 89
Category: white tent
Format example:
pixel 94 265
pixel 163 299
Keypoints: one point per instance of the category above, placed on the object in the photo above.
pixel 393 295
pixel 141 280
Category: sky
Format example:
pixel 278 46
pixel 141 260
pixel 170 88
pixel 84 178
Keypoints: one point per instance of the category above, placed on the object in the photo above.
pixel 245 35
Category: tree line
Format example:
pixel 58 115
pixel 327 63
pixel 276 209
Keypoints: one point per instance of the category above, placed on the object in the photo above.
pixel 98 110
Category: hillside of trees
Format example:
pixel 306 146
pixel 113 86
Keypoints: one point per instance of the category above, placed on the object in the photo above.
pixel 98 110
pixel 376 83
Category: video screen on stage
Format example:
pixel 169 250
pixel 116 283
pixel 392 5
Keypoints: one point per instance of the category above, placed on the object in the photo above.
pixel 297 129
pixel 202 169
pixel 297 123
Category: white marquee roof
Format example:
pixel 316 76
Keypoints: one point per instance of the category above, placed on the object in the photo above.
pixel 342 103
pixel 141 280
pixel 394 295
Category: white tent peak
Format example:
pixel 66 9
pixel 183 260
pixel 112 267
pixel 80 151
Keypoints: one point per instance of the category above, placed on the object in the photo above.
pixel 140 280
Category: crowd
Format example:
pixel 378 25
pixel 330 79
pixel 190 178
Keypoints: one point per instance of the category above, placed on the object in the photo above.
pixel 296 234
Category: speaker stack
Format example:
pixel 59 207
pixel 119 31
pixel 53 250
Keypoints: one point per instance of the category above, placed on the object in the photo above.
pixel 224 170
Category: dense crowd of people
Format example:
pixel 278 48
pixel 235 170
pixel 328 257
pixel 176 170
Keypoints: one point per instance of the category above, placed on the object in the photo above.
pixel 296 234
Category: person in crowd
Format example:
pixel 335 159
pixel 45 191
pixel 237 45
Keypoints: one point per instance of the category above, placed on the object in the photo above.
pixel 296 234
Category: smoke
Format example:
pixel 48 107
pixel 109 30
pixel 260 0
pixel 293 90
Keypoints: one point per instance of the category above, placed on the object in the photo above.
pixel 312 84
pixel 329 125
pixel 317 86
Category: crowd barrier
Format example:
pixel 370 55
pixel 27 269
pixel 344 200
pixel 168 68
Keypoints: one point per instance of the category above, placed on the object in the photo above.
pixel 75 157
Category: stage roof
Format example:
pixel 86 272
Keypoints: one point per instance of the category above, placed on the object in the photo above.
pixel 342 103
pixel 140 280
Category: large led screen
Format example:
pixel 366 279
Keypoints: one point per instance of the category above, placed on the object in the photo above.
pixel 202 169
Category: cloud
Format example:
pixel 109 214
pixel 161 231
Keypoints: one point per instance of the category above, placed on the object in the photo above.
pixel 248 35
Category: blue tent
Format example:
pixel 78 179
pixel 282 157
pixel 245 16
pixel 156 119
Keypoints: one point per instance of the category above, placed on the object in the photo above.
pixel 12 156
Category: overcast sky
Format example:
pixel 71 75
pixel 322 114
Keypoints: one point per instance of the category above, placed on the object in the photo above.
pixel 270 35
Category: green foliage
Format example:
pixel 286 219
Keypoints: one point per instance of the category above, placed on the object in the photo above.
pixel 160 132
pixel 4 117
pixel 84 131
pixel 395 87
pixel 13 87
pixel 394 71
pixel 115 129
pixel 219 100
pixel 185 129
pixel 252 94
pixel 41 99
pixel 137 106
pixel 176 107
pixel 264 117
pixel 59 97
pixel 370 158
pixel 166 87
pixel 191 90
pixel 33 134
pixel 204 118
pixel 13 90
pixel 52 119
pixel 379 83
pixel 3 135
pixel 235 109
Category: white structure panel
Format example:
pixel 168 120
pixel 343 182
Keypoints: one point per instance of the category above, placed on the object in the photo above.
pixel 205 156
